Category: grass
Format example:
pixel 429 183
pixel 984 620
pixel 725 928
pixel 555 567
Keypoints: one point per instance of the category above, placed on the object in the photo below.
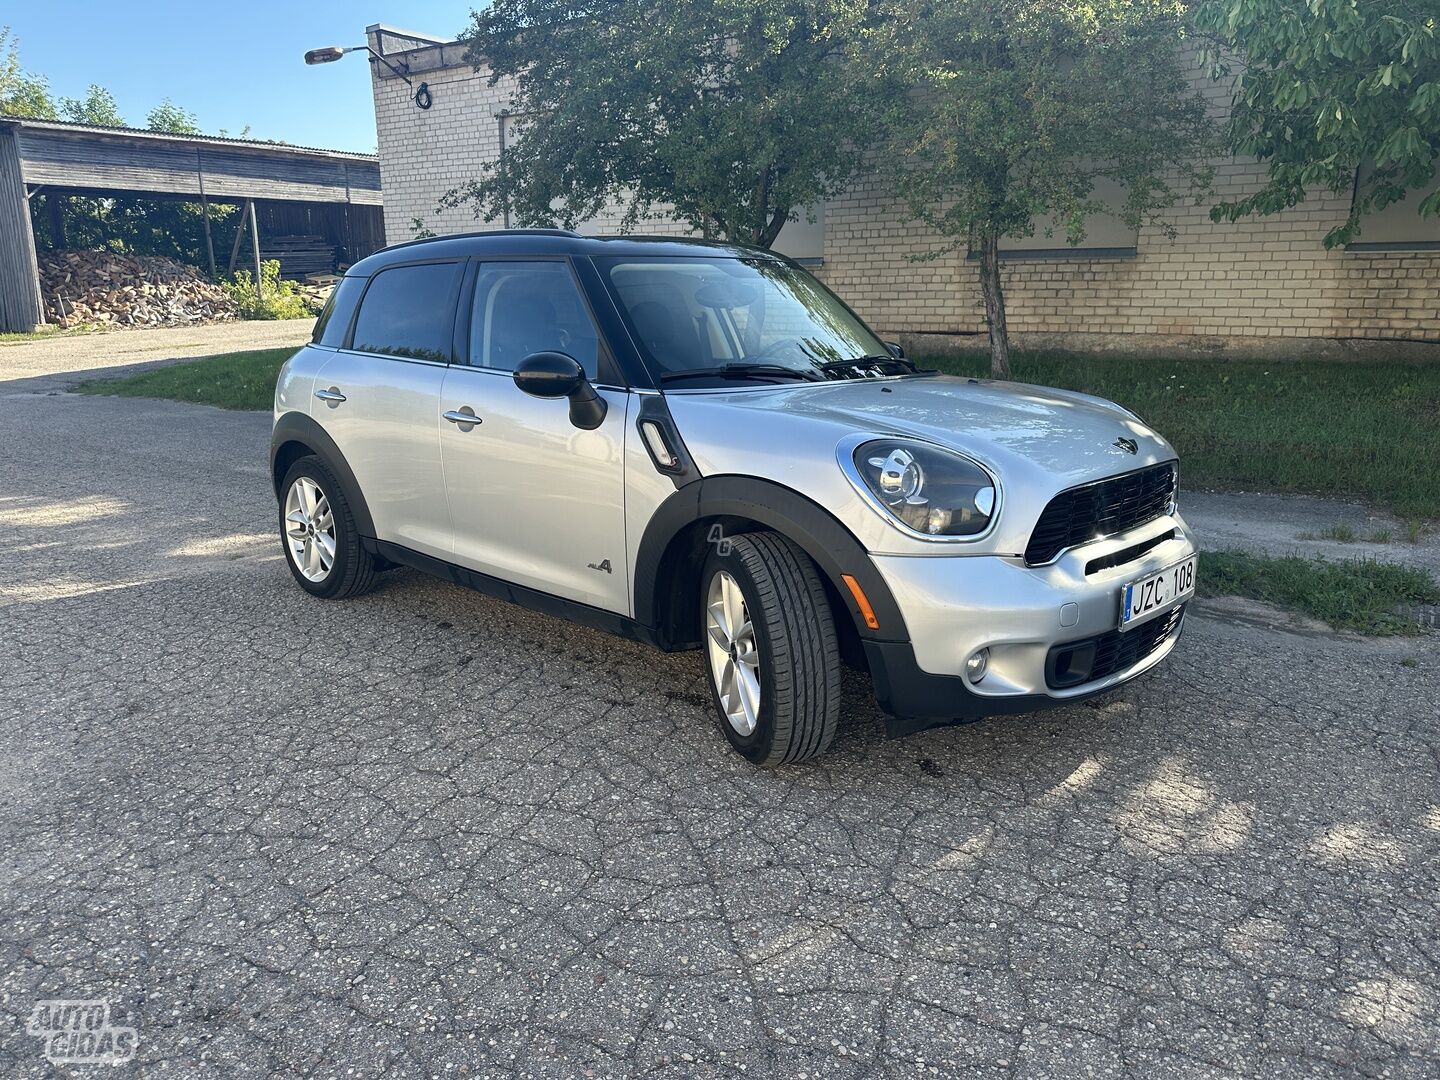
pixel 1367 430
pixel 1344 534
pixel 37 335
pixel 239 380
pixel 1358 594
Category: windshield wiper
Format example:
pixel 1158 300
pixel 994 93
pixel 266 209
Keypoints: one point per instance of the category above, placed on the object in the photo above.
pixel 881 360
pixel 744 371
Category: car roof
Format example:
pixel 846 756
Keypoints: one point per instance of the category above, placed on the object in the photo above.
pixel 550 242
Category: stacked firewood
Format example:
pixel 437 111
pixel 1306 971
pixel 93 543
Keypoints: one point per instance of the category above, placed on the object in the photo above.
pixel 104 289
pixel 315 294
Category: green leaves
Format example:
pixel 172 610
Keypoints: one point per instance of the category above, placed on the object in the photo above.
pixel 1371 78
pixel 729 115
pixel 21 93
pixel 96 107
pixel 167 116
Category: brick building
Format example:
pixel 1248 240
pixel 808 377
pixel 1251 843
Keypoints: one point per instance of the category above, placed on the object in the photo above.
pixel 1265 285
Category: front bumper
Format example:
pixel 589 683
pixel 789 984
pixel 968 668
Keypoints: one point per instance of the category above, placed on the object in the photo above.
pixel 956 605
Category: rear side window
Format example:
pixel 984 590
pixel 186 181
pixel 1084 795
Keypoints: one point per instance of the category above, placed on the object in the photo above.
pixel 334 321
pixel 408 311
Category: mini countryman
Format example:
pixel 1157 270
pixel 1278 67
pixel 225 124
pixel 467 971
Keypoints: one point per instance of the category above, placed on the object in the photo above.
pixel 701 447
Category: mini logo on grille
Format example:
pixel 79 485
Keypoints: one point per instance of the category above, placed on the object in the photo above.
pixel 1130 446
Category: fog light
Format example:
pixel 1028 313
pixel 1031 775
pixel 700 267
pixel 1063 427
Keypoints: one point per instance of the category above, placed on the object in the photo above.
pixel 976 665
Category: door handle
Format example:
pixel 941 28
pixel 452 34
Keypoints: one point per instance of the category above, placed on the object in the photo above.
pixel 464 417
pixel 331 397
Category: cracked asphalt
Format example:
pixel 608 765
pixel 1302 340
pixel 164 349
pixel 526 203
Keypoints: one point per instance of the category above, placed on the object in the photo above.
pixel 424 833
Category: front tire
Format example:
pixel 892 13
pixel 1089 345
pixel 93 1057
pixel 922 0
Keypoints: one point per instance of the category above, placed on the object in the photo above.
pixel 770 648
pixel 319 536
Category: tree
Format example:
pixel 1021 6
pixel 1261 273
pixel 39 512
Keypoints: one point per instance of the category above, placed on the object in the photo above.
pixel 167 116
pixel 1331 89
pixel 1022 106
pixel 729 115
pixel 96 107
pixel 21 94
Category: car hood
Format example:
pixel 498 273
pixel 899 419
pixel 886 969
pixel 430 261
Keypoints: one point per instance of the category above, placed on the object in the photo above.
pixel 1012 427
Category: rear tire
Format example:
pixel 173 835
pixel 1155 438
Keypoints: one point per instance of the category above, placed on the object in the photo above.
pixel 319 536
pixel 770 646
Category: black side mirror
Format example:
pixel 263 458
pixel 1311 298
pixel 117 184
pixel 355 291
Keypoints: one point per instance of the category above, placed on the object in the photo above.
pixel 555 375
pixel 895 349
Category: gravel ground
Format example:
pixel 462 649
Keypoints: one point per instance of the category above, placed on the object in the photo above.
pixel 1297 525
pixel 427 833
pixel 55 362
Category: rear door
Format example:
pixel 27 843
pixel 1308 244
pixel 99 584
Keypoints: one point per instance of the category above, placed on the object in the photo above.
pixel 534 499
pixel 379 399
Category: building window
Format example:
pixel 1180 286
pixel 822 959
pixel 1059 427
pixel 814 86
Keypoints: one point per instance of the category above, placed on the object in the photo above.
pixel 1399 226
pixel 802 239
pixel 1107 235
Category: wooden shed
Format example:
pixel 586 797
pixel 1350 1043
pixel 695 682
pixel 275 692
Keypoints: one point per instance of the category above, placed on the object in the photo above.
pixel 324 193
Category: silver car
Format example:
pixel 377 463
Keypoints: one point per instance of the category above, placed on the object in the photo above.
pixel 700 447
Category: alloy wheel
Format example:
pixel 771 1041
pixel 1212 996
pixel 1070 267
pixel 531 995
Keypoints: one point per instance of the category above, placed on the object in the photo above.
pixel 734 655
pixel 310 529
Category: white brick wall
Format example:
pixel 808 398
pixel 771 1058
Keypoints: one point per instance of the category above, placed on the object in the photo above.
pixel 426 152
pixel 1259 279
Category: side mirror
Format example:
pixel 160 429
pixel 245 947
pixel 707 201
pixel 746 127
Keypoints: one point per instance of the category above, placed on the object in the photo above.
pixel 895 349
pixel 555 375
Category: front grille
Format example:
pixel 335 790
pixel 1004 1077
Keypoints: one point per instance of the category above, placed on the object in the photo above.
pixel 1101 509
pixel 1098 658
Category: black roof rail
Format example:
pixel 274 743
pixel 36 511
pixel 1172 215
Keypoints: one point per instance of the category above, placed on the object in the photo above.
pixel 568 233
pixel 552 241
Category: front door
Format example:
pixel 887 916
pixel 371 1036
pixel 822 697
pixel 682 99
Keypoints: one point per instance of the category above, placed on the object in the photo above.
pixel 533 499
pixel 380 401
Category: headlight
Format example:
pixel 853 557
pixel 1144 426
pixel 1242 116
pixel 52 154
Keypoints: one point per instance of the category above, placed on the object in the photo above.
pixel 929 490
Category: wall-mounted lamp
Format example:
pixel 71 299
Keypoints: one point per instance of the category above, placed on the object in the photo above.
pixel 328 55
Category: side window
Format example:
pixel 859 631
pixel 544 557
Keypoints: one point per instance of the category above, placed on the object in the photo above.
pixel 407 312
pixel 527 307
pixel 334 321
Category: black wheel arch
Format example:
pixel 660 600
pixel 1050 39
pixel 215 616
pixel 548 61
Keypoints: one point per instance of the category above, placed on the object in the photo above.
pixel 297 435
pixel 679 531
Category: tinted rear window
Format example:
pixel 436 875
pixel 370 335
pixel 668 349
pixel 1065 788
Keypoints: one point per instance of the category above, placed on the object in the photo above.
pixel 408 311
pixel 339 310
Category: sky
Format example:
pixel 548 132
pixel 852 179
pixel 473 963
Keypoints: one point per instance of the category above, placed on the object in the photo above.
pixel 231 64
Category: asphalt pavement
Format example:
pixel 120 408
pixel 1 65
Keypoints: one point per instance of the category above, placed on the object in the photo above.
pixel 426 833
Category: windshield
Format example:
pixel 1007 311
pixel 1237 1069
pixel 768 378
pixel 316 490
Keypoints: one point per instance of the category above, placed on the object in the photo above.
pixel 717 317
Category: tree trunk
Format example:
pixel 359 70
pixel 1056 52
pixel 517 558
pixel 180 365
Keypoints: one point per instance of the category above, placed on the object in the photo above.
pixel 994 305
pixel 767 236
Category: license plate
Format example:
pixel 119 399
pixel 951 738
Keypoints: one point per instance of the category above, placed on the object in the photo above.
pixel 1159 592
